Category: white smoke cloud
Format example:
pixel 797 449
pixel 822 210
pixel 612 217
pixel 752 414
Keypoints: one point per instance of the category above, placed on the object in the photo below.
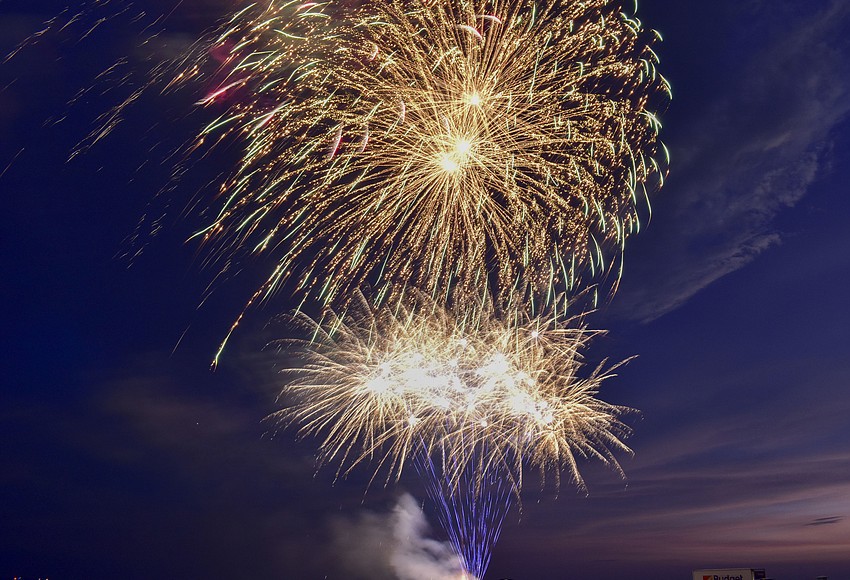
pixel 394 546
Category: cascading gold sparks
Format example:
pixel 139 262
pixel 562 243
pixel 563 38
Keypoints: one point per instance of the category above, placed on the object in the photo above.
pixel 471 160
pixel 464 148
pixel 480 395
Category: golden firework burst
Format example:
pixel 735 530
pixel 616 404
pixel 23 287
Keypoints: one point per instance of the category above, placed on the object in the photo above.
pixel 479 395
pixel 463 148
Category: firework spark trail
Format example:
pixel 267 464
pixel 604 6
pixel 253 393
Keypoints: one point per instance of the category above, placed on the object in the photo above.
pixel 482 395
pixel 462 148
pixel 472 516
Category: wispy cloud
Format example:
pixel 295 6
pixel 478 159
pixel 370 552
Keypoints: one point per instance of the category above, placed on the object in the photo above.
pixel 718 484
pixel 754 151
pixel 825 521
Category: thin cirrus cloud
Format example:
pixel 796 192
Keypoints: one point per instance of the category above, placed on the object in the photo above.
pixel 755 511
pixel 738 472
pixel 753 152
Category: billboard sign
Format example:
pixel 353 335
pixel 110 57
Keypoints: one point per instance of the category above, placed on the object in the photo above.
pixel 728 574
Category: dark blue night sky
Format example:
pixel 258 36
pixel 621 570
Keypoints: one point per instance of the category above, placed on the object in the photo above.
pixel 123 457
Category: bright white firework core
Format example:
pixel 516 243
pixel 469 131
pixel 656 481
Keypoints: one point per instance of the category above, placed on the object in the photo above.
pixel 458 156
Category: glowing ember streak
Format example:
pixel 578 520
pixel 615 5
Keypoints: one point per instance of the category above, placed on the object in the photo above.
pixel 223 90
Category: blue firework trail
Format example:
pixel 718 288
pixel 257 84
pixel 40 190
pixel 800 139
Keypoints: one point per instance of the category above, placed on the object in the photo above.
pixel 471 510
